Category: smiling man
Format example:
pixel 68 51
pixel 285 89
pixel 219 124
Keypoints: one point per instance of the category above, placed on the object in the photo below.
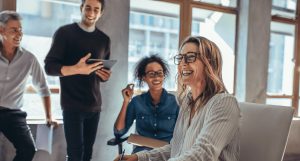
pixel 72 46
pixel 16 65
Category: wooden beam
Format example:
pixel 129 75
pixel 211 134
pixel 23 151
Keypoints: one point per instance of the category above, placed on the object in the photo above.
pixel 281 19
pixel 279 96
pixel 237 19
pixel 295 100
pixel 185 20
pixel 7 5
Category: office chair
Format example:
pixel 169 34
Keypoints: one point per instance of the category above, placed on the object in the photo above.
pixel 117 141
pixel 137 140
pixel 264 131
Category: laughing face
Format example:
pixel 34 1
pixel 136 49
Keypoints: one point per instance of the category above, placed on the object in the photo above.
pixel 192 72
pixel 12 33
pixel 154 76
pixel 90 12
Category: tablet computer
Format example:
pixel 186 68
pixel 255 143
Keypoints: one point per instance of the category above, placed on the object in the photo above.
pixel 108 64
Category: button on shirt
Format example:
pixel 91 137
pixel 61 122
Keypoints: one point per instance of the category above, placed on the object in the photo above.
pixel 13 78
pixel 154 121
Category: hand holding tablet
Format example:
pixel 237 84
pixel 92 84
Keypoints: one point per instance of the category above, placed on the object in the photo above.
pixel 107 64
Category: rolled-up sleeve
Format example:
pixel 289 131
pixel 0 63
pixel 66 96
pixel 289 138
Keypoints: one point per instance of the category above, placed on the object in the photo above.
pixel 38 79
pixel 130 117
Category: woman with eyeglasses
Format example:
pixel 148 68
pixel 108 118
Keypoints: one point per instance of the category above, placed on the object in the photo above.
pixel 155 111
pixel 207 128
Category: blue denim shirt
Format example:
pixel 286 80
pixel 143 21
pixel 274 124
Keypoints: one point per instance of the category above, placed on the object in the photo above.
pixel 154 121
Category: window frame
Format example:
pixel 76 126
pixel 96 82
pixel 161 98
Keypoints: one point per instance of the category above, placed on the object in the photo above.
pixel 186 9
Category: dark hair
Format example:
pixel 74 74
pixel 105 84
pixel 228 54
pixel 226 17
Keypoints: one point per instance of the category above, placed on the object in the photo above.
pixel 210 56
pixel 7 15
pixel 101 1
pixel 140 69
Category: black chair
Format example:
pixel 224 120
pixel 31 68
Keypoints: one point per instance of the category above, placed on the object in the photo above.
pixel 117 141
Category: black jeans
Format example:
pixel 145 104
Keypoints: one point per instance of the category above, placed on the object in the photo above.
pixel 80 132
pixel 14 127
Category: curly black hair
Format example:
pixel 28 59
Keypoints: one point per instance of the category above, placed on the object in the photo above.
pixel 140 69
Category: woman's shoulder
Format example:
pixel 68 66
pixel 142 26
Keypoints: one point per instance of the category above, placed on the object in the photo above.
pixel 171 95
pixel 139 98
pixel 221 96
pixel 222 100
pixel 136 98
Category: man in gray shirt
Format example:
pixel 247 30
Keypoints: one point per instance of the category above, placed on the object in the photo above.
pixel 16 65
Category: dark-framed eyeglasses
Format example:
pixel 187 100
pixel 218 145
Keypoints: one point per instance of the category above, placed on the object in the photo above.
pixel 189 57
pixel 153 74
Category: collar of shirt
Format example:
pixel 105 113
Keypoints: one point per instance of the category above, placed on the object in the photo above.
pixel 18 54
pixel 163 98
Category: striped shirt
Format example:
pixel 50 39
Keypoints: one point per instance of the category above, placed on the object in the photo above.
pixel 213 134
pixel 14 75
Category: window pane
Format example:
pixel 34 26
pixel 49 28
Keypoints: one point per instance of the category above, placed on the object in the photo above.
pixel 285 8
pixel 33 105
pixel 51 14
pixel 281 65
pixel 220 28
pixel 230 3
pixel 153 29
pixel 279 101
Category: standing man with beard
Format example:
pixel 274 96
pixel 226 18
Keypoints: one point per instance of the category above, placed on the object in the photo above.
pixel 16 66
pixel 72 46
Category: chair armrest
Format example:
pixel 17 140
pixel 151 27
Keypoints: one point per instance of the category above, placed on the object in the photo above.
pixel 116 141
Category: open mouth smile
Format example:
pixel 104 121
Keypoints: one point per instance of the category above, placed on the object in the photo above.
pixel 186 72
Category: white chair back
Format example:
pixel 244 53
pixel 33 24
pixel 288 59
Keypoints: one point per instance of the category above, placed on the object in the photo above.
pixel 264 131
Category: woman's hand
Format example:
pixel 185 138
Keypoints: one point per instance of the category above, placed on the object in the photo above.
pixel 132 157
pixel 128 92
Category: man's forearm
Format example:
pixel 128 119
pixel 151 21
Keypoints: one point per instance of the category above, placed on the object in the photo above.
pixel 47 107
pixel 69 70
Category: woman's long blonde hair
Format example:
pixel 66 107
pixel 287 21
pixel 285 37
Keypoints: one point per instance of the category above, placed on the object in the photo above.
pixel 211 58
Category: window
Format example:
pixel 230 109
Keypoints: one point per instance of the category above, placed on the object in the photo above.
pixel 153 29
pixel 230 3
pixel 285 8
pixel 220 28
pixel 279 101
pixel 280 71
pixel 54 13
pixel 283 77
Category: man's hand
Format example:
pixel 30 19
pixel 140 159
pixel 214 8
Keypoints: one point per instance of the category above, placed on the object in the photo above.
pixel 104 74
pixel 81 67
pixel 52 122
